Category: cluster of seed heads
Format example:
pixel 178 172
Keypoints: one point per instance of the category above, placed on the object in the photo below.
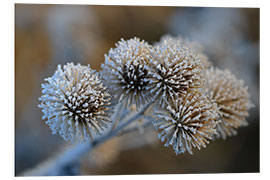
pixel 193 102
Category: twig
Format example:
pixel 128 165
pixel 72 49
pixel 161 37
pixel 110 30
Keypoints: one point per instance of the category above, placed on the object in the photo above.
pixel 117 114
pixel 132 129
pixel 53 166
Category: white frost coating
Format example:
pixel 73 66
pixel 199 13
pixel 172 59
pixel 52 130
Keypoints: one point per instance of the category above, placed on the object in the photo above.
pixel 74 102
pixel 232 98
pixel 175 68
pixel 125 71
pixel 188 122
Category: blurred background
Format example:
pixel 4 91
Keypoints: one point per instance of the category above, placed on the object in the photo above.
pixel 47 35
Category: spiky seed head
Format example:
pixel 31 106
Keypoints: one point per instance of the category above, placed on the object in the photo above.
pixel 175 70
pixel 125 71
pixel 75 103
pixel 196 47
pixel 232 98
pixel 199 50
pixel 188 122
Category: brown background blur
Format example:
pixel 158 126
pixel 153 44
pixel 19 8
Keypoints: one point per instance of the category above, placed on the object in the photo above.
pixel 47 35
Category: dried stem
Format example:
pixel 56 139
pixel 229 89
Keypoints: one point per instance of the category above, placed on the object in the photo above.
pixel 136 128
pixel 56 164
pixel 117 114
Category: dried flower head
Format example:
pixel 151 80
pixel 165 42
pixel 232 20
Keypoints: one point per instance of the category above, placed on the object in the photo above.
pixel 74 102
pixel 196 47
pixel 125 71
pixel 188 122
pixel 232 98
pixel 175 69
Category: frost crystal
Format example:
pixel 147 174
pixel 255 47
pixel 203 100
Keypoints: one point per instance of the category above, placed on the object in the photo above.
pixel 188 122
pixel 196 47
pixel 175 70
pixel 232 98
pixel 74 102
pixel 125 71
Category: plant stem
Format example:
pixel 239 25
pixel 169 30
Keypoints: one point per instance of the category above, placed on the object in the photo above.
pixel 117 114
pixel 146 124
pixel 56 164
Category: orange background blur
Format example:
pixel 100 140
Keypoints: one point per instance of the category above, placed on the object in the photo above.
pixel 47 35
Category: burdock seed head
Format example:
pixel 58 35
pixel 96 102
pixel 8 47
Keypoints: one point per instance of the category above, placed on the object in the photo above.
pixel 126 69
pixel 188 122
pixel 175 70
pixel 232 98
pixel 195 47
pixel 74 102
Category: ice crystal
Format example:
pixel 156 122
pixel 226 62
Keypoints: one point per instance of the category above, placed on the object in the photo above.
pixel 74 102
pixel 176 69
pixel 232 98
pixel 188 122
pixel 125 71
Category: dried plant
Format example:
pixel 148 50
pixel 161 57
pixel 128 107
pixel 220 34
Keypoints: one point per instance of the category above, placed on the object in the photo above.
pixel 125 71
pixel 190 121
pixel 175 70
pixel 196 47
pixel 74 102
pixel 166 85
pixel 232 98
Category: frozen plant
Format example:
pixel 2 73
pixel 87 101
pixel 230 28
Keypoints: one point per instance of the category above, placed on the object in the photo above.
pixel 189 121
pixel 126 71
pixel 75 103
pixel 195 47
pixel 169 85
pixel 176 70
pixel 232 99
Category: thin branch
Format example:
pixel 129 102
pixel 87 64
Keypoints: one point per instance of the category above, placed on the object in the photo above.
pixel 136 128
pixel 53 166
pixel 117 114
